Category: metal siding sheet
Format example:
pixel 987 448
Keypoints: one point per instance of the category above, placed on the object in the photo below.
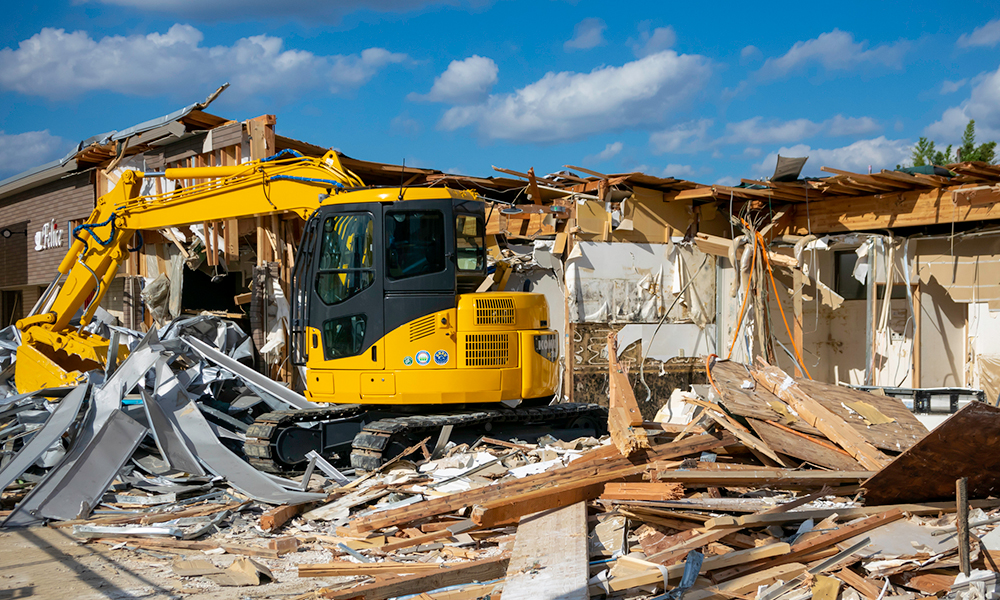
pixel 227 135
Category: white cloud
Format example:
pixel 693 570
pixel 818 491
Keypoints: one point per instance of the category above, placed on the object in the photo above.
pixel 22 151
pixel 241 10
pixel 759 131
pixel 752 152
pixel 728 180
pixel 750 54
pixel 588 33
pixel 610 151
pixel 848 126
pixel 56 64
pixel 983 105
pixel 683 138
pixel 404 124
pixel 835 51
pixel 678 171
pixel 567 105
pixel 988 35
pixel 948 87
pixel 463 82
pixel 879 153
pixel 660 39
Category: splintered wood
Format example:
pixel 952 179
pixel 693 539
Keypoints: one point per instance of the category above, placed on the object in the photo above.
pixel 779 484
pixel 624 418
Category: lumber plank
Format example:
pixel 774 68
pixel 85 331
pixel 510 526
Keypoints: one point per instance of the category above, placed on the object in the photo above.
pixel 742 586
pixel 605 458
pixel 821 417
pixel 864 586
pixel 775 478
pixel 480 570
pixel 343 568
pixel 766 519
pixel 643 491
pixel 653 575
pixel 803 550
pixel 549 560
pixel 503 508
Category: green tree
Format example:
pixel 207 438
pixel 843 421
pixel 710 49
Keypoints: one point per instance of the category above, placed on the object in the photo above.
pixel 925 153
pixel 969 151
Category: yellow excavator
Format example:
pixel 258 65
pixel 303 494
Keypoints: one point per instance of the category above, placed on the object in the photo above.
pixel 395 341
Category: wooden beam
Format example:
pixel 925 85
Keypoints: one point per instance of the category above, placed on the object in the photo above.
pixel 774 478
pixel 890 210
pixel 536 196
pixel 587 171
pixel 550 556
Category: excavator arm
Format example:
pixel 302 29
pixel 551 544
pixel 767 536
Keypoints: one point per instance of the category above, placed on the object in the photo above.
pixel 53 352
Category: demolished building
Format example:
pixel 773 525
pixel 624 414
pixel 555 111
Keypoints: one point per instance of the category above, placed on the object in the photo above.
pixel 713 321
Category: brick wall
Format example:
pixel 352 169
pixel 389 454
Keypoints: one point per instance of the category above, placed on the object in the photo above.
pixel 63 200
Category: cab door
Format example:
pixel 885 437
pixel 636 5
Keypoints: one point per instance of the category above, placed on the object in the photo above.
pixel 419 279
pixel 345 287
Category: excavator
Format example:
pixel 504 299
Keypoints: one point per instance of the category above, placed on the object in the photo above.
pixel 396 343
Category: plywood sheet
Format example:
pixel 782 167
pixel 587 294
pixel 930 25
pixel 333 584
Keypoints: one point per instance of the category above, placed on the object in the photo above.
pixel 549 560
pixel 963 446
pixel 897 436
pixel 804 447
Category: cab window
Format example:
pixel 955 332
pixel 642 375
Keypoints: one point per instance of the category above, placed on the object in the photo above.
pixel 470 251
pixel 414 242
pixel 346 251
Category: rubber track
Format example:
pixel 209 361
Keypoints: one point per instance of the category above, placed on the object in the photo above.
pixel 260 435
pixel 372 441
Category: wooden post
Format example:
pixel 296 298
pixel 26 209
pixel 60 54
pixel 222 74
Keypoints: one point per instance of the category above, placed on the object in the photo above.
pixel 797 317
pixel 915 383
pixel 962 518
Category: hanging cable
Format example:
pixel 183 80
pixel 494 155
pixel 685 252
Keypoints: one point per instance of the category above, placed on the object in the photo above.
pixel 746 296
pixel 767 261
pixel 642 374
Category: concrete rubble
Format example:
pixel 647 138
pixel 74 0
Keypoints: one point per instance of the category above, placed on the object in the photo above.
pixel 758 485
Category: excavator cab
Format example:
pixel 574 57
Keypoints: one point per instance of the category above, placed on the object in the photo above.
pixel 365 269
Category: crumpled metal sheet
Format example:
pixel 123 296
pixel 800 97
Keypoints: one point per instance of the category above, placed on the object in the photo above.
pixel 106 401
pixel 171 443
pixel 62 417
pixel 221 461
pixel 81 490
pixel 259 383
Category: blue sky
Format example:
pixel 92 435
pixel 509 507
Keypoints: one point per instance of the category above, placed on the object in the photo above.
pixel 709 92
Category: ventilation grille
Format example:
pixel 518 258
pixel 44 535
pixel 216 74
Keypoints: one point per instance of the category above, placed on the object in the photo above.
pixel 421 328
pixel 494 311
pixel 487 350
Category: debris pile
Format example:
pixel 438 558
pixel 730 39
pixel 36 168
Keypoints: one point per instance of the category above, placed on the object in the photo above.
pixel 763 486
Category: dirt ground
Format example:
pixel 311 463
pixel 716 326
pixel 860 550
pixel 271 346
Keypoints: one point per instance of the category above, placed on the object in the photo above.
pixel 42 562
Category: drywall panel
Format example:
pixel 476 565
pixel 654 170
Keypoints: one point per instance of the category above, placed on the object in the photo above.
pixel 625 282
pixel 942 337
